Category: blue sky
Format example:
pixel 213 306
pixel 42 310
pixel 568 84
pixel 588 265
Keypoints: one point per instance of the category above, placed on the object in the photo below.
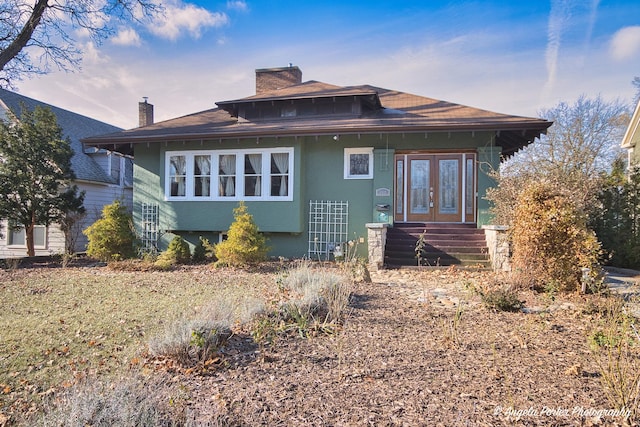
pixel 514 57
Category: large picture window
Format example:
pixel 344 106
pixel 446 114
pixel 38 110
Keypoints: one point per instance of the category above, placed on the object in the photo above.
pixel 252 174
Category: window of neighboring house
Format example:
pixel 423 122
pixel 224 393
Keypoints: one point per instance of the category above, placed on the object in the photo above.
pixel 251 174
pixel 18 237
pixel 358 163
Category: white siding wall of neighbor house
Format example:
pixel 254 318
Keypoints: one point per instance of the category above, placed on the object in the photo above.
pixel 96 197
pixel 101 159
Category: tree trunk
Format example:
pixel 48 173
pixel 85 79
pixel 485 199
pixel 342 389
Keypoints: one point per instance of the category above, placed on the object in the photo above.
pixel 28 233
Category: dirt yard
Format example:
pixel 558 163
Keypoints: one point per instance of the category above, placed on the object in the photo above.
pixel 419 348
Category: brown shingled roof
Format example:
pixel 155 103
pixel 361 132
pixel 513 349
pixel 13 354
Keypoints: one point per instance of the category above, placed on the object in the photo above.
pixel 399 112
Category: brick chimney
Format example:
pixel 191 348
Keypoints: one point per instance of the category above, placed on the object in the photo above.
pixel 269 79
pixel 145 113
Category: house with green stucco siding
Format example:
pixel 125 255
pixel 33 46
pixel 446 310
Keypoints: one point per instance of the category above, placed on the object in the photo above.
pixel 318 165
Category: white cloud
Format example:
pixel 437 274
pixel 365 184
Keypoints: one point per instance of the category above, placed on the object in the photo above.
pixel 179 18
pixel 239 5
pixel 92 55
pixel 558 19
pixel 625 43
pixel 126 37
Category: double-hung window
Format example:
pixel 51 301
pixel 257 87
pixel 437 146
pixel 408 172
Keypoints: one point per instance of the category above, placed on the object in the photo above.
pixel 280 174
pixel 251 174
pixel 226 175
pixel 202 175
pixel 177 176
pixel 18 237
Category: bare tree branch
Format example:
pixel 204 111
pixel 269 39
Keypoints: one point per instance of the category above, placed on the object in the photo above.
pixel 34 37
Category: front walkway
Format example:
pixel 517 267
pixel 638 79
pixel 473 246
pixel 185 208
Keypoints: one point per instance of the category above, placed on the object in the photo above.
pixel 444 289
pixel 625 283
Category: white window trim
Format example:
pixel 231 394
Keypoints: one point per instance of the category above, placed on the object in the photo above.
pixel 35 246
pixel 215 156
pixel 347 163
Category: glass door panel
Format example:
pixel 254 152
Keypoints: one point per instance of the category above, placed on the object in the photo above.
pixel 420 171
pixel 470 190
pixel 448 198
pixel 420 189
pixel 399 187
pixel 448 188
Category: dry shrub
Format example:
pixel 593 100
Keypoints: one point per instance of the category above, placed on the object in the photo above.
pixel 129 402
pixel 502 298
pixel 132 264
pixel 551 241
pixel 192 341
pixel 615 345
pixel 317 295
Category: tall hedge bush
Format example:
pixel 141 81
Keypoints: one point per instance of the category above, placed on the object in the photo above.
pixel 551 240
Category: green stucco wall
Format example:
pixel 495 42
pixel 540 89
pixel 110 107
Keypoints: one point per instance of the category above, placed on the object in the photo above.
pixel 318 175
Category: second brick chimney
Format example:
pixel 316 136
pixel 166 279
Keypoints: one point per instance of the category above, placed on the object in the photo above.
pixel 269 79
pixel 145 113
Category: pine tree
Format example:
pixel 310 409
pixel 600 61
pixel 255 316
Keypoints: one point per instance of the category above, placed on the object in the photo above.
pixel 35 172
pixel 244 244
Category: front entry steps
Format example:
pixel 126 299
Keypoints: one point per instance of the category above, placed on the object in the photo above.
pixel 443 244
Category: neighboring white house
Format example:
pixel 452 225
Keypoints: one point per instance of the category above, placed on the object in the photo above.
pixel 103 175
pixel 631 139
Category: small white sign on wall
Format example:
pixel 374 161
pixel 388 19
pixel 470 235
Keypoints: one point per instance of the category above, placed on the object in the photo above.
pixel 383 192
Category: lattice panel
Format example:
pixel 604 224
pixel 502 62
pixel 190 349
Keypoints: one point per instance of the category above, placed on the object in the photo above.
pixel 328 221
pixel 150 226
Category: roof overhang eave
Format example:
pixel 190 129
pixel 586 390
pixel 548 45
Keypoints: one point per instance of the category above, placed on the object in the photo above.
pixel 167 137
pixel 521 135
